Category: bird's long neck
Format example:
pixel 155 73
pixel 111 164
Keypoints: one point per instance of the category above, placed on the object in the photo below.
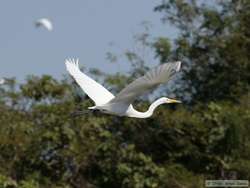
pixel 150 110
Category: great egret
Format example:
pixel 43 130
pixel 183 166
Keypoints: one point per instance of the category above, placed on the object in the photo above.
pixel 121 105
pixel 45 22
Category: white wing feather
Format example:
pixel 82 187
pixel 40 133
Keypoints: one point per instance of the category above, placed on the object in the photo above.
pixel 94 90
pixel 45 22
pixel 149 81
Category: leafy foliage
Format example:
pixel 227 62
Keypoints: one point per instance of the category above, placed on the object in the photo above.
pixel 213 45
pixel 42 145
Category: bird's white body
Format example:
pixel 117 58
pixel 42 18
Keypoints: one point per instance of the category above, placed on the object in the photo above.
pixel 121 105
pixel 45 22
pixel 122 109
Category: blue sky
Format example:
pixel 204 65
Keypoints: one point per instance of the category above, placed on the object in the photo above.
pixel 82 28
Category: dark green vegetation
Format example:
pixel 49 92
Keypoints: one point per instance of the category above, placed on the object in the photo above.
pixel 41 145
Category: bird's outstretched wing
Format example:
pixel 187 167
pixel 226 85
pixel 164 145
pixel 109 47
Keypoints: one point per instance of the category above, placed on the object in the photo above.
pixel 44 22
pixel 94 90
pixel 149 81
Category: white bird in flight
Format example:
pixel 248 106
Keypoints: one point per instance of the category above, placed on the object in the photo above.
pixel 45 22
pixel 121 105
pixel 2 81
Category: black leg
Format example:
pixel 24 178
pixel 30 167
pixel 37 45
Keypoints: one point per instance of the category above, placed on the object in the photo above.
pixel 79 113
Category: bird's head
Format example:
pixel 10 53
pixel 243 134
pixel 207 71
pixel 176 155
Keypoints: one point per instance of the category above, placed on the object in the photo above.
pixel 168 100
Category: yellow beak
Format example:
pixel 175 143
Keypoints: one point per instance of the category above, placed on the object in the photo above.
pixel 173 101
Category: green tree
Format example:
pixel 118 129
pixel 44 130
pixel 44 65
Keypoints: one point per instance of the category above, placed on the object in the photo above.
pixel 214 46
